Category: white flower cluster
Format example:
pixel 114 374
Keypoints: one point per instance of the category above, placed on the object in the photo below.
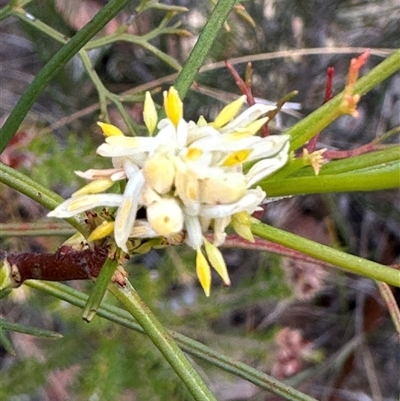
pixel 188 177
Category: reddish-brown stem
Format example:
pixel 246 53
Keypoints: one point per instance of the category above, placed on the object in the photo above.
pixel 328 95
pixel 245 88
pixel 65 264
pixel 344 154
pixel 329 80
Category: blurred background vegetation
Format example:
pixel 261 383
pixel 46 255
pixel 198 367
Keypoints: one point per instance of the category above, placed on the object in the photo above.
pixel 325 332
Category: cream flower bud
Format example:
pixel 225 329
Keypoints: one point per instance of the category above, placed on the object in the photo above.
pixel 165 216
pixel 159 172
pixel 223 189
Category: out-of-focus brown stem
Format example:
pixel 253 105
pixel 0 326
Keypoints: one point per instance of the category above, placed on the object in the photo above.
pixel 65 264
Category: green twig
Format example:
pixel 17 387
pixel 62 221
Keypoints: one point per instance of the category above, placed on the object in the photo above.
pixel 54 65
pixel 203 46
pixel 315 122
pixel 33 331
pixel 162 339
pixel 35 191
pixel 193 347
pixel 376 178
pixel 351 263
pixel 6 343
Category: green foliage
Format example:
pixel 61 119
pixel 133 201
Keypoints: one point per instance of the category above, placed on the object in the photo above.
pixel 51 153
pixel 114 362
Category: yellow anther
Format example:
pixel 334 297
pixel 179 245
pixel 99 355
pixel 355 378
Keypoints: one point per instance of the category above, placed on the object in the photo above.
pixel 103 230
pixel 237 157
pixel 193 154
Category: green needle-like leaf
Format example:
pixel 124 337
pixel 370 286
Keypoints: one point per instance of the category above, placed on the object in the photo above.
pixel 193 347
pixel 99 289
pixel 6 344
pixel 33 331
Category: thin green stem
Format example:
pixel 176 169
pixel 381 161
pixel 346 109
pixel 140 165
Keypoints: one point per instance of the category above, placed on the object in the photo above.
pixel 101 90
pixel 40 26
pixel 376 178
pixel 42 195
pixel 105 96
pixel 42 229
pixel 5 12
pixel 54 65
pixel 22 328
pixel 350 263
pixel 98 291
pixel 193 347
pixel 203 46
pixel 386 135
pixel 6 343
pixel 315 122
pixel 297 168
pixel 162 340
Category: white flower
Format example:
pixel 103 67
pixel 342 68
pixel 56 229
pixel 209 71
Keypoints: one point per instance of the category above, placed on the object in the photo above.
pixel 187 176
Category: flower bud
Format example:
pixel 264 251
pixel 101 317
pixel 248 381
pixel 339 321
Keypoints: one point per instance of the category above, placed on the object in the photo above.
pixel 223 189
pixel 165 217
pixel 159 172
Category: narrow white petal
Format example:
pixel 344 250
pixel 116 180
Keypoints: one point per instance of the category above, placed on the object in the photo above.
pixel 120 146
pixel 219 230
pixel 126 213
pixel 248 203
pixel 130 167
pixel 181 134
pixel 194 236
pixel 73 206
pixel 94 174
pixel 167 132
pixel 248 116
pixel 269 146
pixel 228 142
pixel 266 167
pixel 107 150
pixel 195 133
pixel 120 175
